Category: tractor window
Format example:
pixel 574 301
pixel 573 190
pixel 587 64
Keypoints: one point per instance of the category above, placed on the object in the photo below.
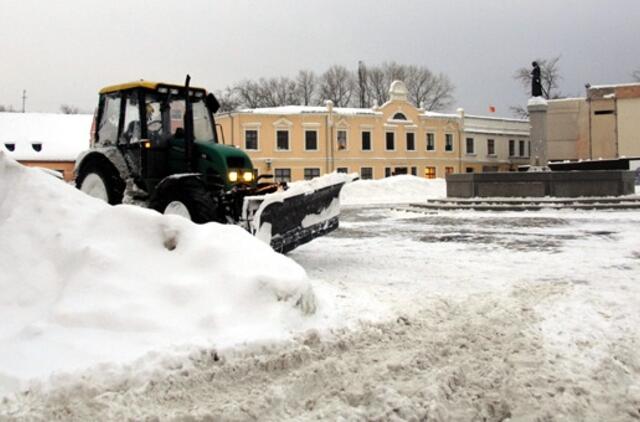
pixel 154 119
pixel 202 127
pixel 108 128
pixel 131 129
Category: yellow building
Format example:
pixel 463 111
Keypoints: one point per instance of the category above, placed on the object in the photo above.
pixel 301 142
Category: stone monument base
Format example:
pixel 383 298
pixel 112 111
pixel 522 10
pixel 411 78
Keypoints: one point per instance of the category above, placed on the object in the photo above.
pixel 563 184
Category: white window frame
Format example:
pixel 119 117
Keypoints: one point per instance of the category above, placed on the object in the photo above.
pixel 406 134
pixel 426 140
pixel 491 154
pixel 282 168
pixel 317 148
pixel 275 144
pixel 373 172
pixel 466 145
pixel 435 172
pixel 346 139
pixel 257 130
pixel 370 140
pixel 304 170
pixel 453 142
pixel 395 140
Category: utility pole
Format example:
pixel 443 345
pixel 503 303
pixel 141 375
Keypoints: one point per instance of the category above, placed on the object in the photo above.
pixel 24 99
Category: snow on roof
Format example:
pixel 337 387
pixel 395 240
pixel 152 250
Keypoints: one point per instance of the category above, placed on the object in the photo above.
pixel 435 114
pixel 44 136
pixel 76 292
pixel 288 110
pixel 496 131
pixel 497 118
pixel 353 111
pixel 569 99
pixel 623 85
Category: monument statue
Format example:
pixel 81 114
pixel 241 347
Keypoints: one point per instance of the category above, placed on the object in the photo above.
pixel 536 84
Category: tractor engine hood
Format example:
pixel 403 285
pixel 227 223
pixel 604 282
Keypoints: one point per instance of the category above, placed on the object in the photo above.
pixel 224 160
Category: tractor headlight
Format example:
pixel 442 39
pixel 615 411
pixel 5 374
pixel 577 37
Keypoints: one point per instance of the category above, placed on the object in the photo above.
pixel 233 176
pixel 247 176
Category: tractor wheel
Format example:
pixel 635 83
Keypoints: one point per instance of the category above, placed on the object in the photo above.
pixel 101 180
pixel 188 198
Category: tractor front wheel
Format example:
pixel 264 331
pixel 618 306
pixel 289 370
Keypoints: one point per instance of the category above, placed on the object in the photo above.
pixel 188 198
pixel 101 180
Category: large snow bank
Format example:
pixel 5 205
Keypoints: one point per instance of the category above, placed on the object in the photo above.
pixel 83 282
pixel 390 190
pixel 44 136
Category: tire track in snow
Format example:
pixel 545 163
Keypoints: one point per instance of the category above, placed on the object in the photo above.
pixel 481 358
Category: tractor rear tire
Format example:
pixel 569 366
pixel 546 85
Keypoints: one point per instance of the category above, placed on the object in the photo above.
pixel 101 180
pixel 190 193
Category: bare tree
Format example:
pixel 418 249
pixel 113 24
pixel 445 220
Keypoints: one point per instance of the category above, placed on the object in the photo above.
pixel 394 72
pixel 285 90
pixel 337 85
pixel 377 86
pixel 519 112
pixel 636 75
pixel 228 100
pixel 433 92
pixel 549 77
pixel 247 93
pixel 306 84
pixel 69 109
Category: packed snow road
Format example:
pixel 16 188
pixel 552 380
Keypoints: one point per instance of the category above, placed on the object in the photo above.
pixel 443 316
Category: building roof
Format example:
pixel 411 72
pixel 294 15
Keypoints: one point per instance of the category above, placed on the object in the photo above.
pixel 624 85
pixel 44 136
pixel 347 111
pixel 293 109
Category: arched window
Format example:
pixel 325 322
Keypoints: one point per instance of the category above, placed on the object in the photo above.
pixel 399 116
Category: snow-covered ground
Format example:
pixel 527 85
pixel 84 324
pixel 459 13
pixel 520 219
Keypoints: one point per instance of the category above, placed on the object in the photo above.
pixel 449 315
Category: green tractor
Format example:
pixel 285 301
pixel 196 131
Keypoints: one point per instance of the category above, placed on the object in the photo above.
pixel 156 144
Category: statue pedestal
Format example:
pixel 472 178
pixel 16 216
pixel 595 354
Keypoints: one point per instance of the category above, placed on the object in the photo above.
pixel 537 108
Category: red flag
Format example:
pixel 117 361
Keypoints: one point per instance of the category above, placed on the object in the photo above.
pixel 492 109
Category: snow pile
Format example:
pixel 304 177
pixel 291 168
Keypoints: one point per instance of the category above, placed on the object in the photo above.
pixel 44 136
pixel 83 282
pixel 396 189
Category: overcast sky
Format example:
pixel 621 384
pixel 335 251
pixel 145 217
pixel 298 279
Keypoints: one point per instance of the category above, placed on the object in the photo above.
pixel 65 51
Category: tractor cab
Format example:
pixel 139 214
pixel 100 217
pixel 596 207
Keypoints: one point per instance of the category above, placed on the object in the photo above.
pixel 162 132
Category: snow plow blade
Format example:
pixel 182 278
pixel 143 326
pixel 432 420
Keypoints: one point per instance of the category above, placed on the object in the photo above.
pixel 298 215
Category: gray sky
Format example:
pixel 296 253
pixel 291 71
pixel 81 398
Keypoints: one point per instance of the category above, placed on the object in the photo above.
pixel 65 51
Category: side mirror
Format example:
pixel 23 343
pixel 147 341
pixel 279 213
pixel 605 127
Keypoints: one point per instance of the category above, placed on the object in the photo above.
pixel 212 103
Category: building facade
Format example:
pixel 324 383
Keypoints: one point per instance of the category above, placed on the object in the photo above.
pixel 605 124
pixel 301 142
